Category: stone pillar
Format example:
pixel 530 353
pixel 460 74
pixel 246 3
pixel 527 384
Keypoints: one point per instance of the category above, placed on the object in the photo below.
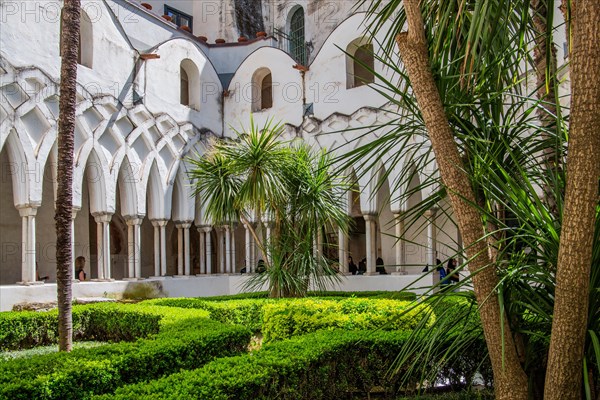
pixel 430 251
pixel 268 228
pixel 183 248
pixel 156 226
pixel 227 232
pixel 370 231
pixel 187 269
pixel 160 246
pixel 400 243
pixel 343 251
pixel 248 249
pixel 28 268
pixel 233 252
pixel 201 250
pixel 134 246
pixel 221 249
pixel 103 231
pixel 207 231
pixel 73 216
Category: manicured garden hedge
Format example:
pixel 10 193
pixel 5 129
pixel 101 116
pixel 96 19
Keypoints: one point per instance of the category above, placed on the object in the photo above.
pixel 187 340
pixel 322 365
pixel 22 330
pixel 285 319
pixel 246 312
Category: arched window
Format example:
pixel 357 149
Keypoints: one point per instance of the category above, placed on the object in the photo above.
pixel 296 35
pixel 185 87
pixel 262 90
pixel 86 43
pixel 360 63
pixel 189 84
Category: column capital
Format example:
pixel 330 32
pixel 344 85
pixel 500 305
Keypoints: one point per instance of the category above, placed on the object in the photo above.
pixel 183 224
pixel 159 222
pixel 207 229
pixel 74 212
pixel 431 212
pixel 370 217
pixel 399 214
pixel 134 219
pixel 102 216
pixel 28 210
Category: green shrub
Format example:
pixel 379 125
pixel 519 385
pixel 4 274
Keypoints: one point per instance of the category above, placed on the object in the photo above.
pixel 100 322
pixel 283 320
pixel 186 340
pixel 321 365
pixel 248 312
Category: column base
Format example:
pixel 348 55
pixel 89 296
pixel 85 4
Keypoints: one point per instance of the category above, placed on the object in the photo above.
pixel 133 279
pixel 399 273
pixel 159 278
pixel 371 274
pixel 36 283
pixel 102 280
pixel 181 276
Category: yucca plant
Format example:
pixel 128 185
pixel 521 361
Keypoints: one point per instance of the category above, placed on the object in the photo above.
pixel 262 178
pixel 481 55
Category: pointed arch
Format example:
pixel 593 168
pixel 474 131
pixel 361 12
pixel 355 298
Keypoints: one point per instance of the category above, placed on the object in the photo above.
pixel 155 194
pixel 128 192
pixel 17 169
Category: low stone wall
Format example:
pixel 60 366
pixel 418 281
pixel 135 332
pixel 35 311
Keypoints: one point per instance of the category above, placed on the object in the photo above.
pixel 192 286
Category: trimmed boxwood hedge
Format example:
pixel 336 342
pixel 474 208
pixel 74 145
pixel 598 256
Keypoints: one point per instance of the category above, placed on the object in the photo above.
pixel 322 365
pixel 187 339
pixel 246 312
pixel 27 329
pixel 283 320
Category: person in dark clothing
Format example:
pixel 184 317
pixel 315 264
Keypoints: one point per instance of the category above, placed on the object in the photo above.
pixel 351 266
pixel 362 267
pixel 379 266
pixel 79 268
pixel 260 267
pixel 450 268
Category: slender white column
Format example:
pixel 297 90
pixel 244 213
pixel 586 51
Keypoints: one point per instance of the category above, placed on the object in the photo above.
pixel 430 251
pixel 106 247
pixel 99 247
pixel 221 250
pixel 137 255
pixel 202 250
pixel 268 226
pixel 186 242
pixel 73 216
pixel 103 233
pixel 161 254
pixel 233 254
pixel 207 231
pixel 28 271
pixel 227 232
pixel 130 251
pixel 156 248
pixel 370 242
pixel 400 243
pixel 248 249
pixel 179 249
pixel 343 251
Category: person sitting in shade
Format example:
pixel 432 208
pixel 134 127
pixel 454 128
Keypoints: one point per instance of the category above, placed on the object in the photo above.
pixel 362 267
pixel 351 266
pixel 260 267
pixel 379 266
pixel 79 268
pixel 453 277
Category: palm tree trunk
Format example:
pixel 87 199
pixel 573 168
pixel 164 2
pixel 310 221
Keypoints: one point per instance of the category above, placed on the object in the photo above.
pixel 64 199
pixel 564 373
pixel 509 377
